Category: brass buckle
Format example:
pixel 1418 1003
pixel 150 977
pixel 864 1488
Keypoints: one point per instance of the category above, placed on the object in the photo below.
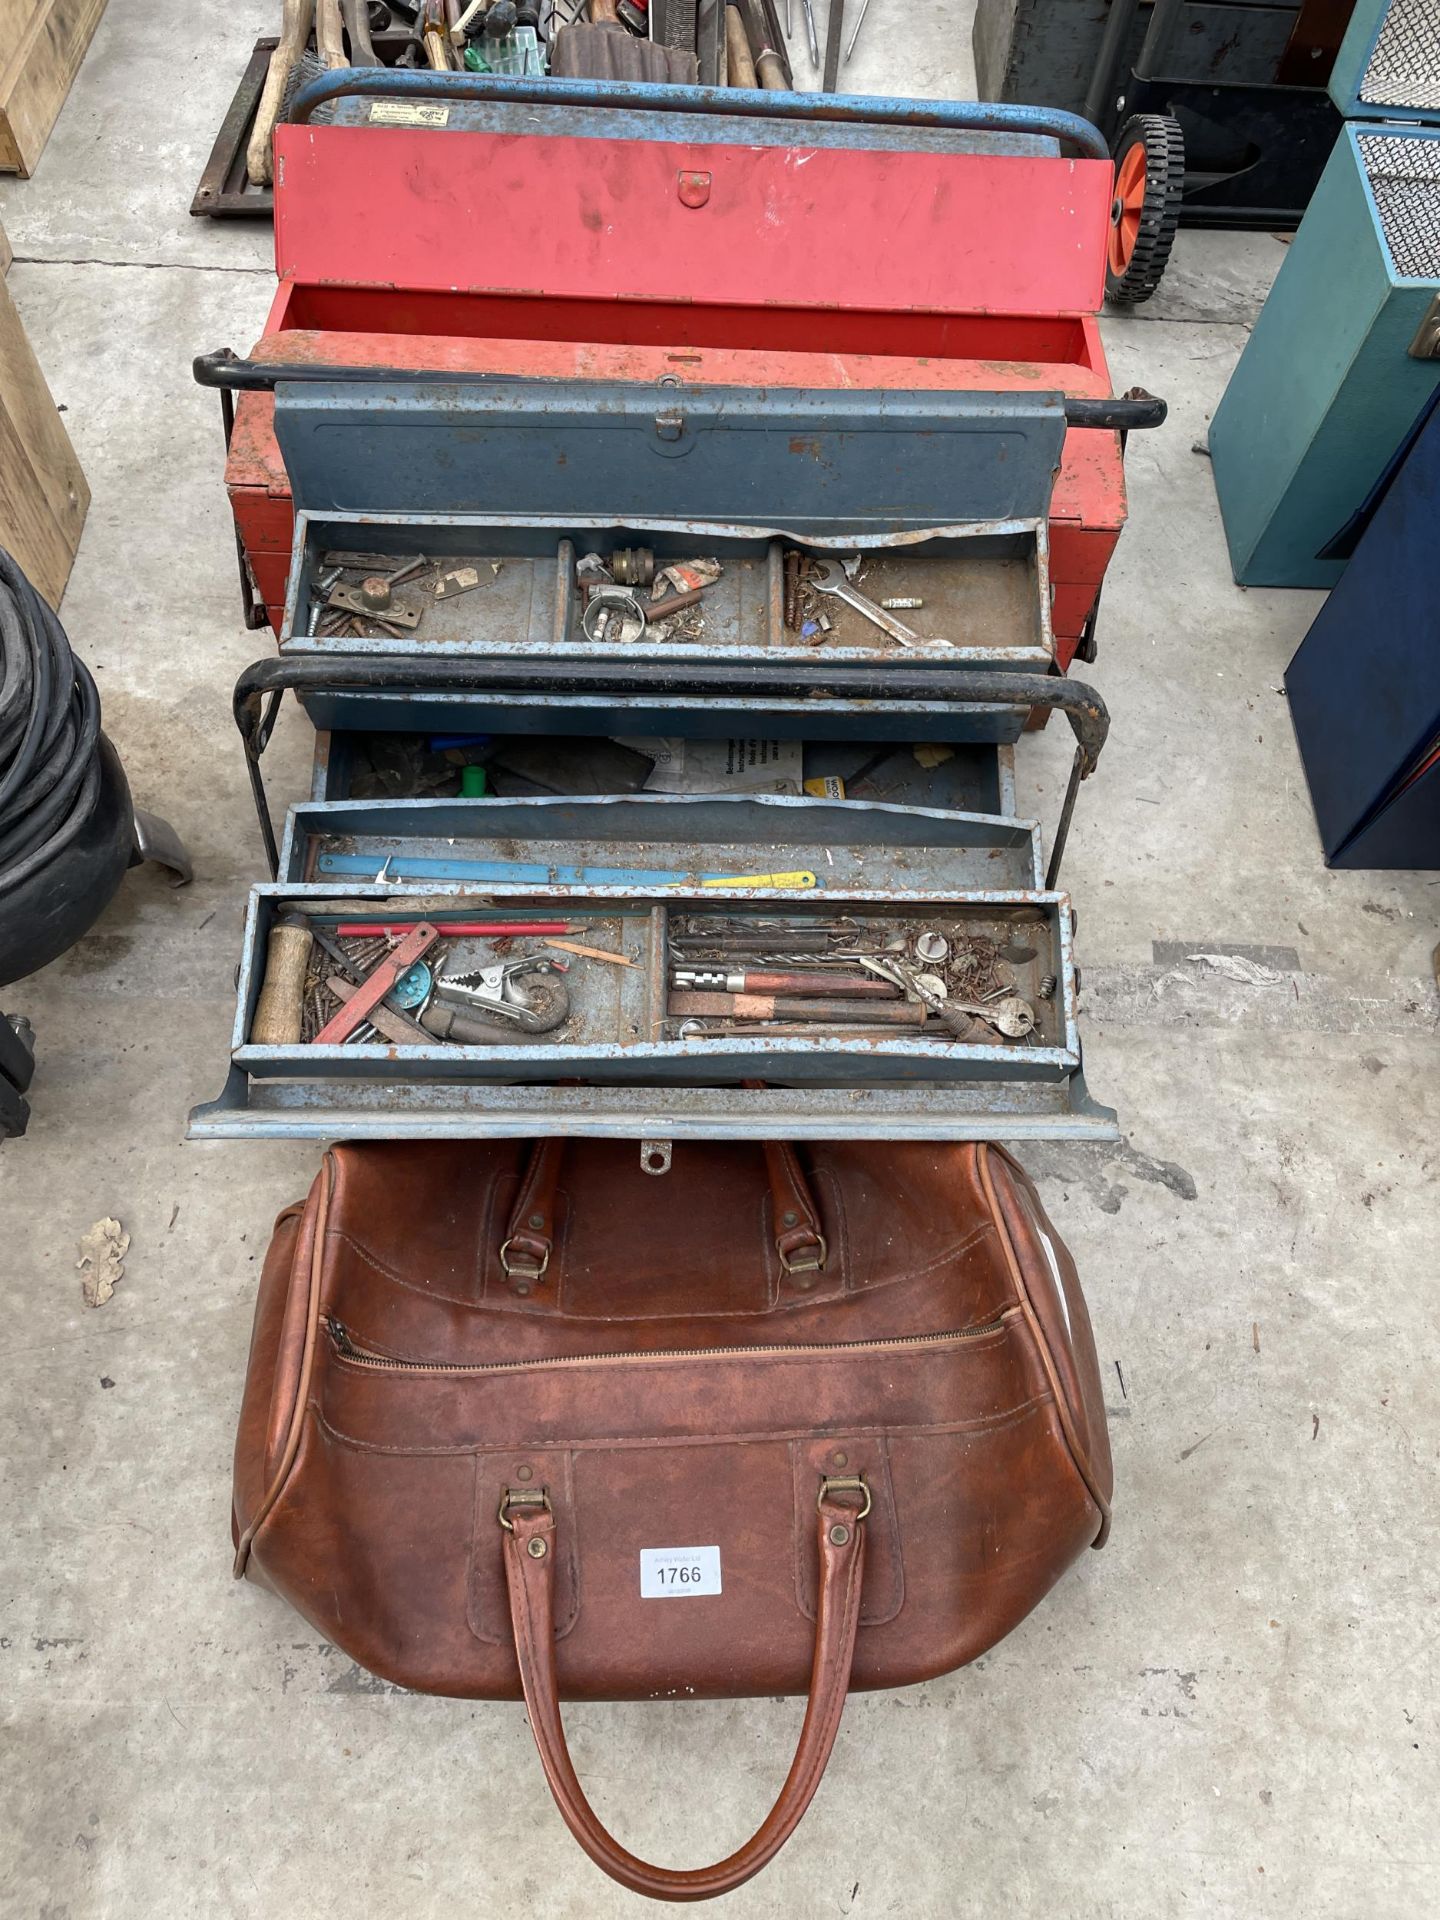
pixel 525 1273
pixel 811 1264
pixel 858 1484
pixel 521 1497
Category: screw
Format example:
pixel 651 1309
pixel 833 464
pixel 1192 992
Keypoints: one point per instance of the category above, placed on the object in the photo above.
pixel 537 1548
pixel 1046 988
pixel 792 591
pixel 839 1536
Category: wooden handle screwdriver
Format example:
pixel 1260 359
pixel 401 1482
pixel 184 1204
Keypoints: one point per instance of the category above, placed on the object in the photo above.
pixel 280 1007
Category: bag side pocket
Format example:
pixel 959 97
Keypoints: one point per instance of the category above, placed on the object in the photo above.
pixel 282 1350
pixel 1048 1289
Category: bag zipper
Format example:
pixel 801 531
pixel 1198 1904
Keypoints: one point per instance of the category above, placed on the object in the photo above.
pixel 350 1349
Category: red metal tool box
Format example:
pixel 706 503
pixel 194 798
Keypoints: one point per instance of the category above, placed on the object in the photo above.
pixel 546 240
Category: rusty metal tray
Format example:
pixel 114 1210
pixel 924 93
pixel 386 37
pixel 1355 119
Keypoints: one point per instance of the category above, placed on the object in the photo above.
pixel 641 1077
pixel 985 587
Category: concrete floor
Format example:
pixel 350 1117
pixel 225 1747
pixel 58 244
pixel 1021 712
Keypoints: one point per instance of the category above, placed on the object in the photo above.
pixel 1232 1710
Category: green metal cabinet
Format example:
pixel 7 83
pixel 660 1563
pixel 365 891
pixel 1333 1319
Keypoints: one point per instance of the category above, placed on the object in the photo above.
pixel 1338 365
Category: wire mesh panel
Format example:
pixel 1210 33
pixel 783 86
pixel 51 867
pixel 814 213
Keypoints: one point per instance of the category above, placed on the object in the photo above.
pixel 1404 66
pixel 1404 176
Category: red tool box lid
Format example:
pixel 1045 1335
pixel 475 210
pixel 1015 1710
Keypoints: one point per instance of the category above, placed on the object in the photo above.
pixel 728 223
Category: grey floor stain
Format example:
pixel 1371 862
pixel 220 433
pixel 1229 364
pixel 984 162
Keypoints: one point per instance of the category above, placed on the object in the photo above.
pixel 1174 953
pixel 1093 1170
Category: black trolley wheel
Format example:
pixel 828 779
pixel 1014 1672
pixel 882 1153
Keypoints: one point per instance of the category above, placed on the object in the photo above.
pixel 1145 210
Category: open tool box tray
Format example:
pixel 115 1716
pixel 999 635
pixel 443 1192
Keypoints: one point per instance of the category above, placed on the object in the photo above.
pixel 642 1079
pixel 984 585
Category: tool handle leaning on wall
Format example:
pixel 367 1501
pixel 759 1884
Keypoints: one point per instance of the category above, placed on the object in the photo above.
pixel 295 24
pixel 330 34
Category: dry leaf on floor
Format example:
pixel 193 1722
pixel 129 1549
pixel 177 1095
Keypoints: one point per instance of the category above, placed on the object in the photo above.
pixel 102 1260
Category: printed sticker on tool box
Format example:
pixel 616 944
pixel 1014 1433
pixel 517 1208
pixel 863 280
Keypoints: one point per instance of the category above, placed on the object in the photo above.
pixel 407 113
pixel 668 1573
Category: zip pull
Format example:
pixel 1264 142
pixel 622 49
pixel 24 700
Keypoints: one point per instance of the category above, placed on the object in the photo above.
pixel 340 1334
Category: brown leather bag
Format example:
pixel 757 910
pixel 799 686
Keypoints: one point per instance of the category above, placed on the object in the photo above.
pixel 527 1420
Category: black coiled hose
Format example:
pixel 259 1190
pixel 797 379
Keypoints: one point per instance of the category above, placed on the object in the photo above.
pixel 49 733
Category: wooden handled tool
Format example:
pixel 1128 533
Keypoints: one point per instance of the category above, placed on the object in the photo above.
pixel 329 33
pixel 279 1010
pixel 295 24
pixel 769 63
pixel 739 62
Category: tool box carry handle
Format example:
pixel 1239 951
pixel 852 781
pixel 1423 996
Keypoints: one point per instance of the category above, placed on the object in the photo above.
pixel 645 96
pixel 262 686
pixel 231 373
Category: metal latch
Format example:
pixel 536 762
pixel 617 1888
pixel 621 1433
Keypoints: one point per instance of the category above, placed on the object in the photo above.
pixel 670 424
pixel 655 1156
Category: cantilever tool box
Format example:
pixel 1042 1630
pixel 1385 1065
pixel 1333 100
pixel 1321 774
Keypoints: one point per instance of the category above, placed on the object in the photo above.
pixel 624 869
pixel 558 469
pixel 578 231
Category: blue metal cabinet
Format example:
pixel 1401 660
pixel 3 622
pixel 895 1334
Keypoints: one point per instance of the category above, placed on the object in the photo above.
pixel 1364 685
pixel 1328 384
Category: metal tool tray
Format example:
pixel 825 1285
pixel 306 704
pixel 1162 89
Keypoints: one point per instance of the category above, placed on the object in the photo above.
pixel 985 585
pixel 641 1083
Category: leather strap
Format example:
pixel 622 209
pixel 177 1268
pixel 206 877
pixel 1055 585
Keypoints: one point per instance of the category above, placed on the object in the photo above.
pixel 798 1239
pixel 530 1550
pixel 530 1237
pixel 530 1240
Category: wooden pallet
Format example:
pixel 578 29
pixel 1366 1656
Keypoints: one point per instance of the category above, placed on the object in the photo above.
pixel 43 495
pixel 42 43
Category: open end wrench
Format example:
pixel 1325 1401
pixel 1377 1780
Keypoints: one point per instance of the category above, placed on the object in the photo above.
pixel 829 577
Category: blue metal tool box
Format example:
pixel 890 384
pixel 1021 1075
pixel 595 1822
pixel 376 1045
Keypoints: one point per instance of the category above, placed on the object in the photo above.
pixel 872 863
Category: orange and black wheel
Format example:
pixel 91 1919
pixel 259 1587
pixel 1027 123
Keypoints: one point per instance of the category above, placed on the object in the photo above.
pixel 1145 212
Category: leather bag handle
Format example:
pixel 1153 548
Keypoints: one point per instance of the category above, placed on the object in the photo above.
pixel 529 1575
pixel 530 1237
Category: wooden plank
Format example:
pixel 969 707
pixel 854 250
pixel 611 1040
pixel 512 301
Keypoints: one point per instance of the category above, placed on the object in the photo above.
pixel 37 76
pixel 43 495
